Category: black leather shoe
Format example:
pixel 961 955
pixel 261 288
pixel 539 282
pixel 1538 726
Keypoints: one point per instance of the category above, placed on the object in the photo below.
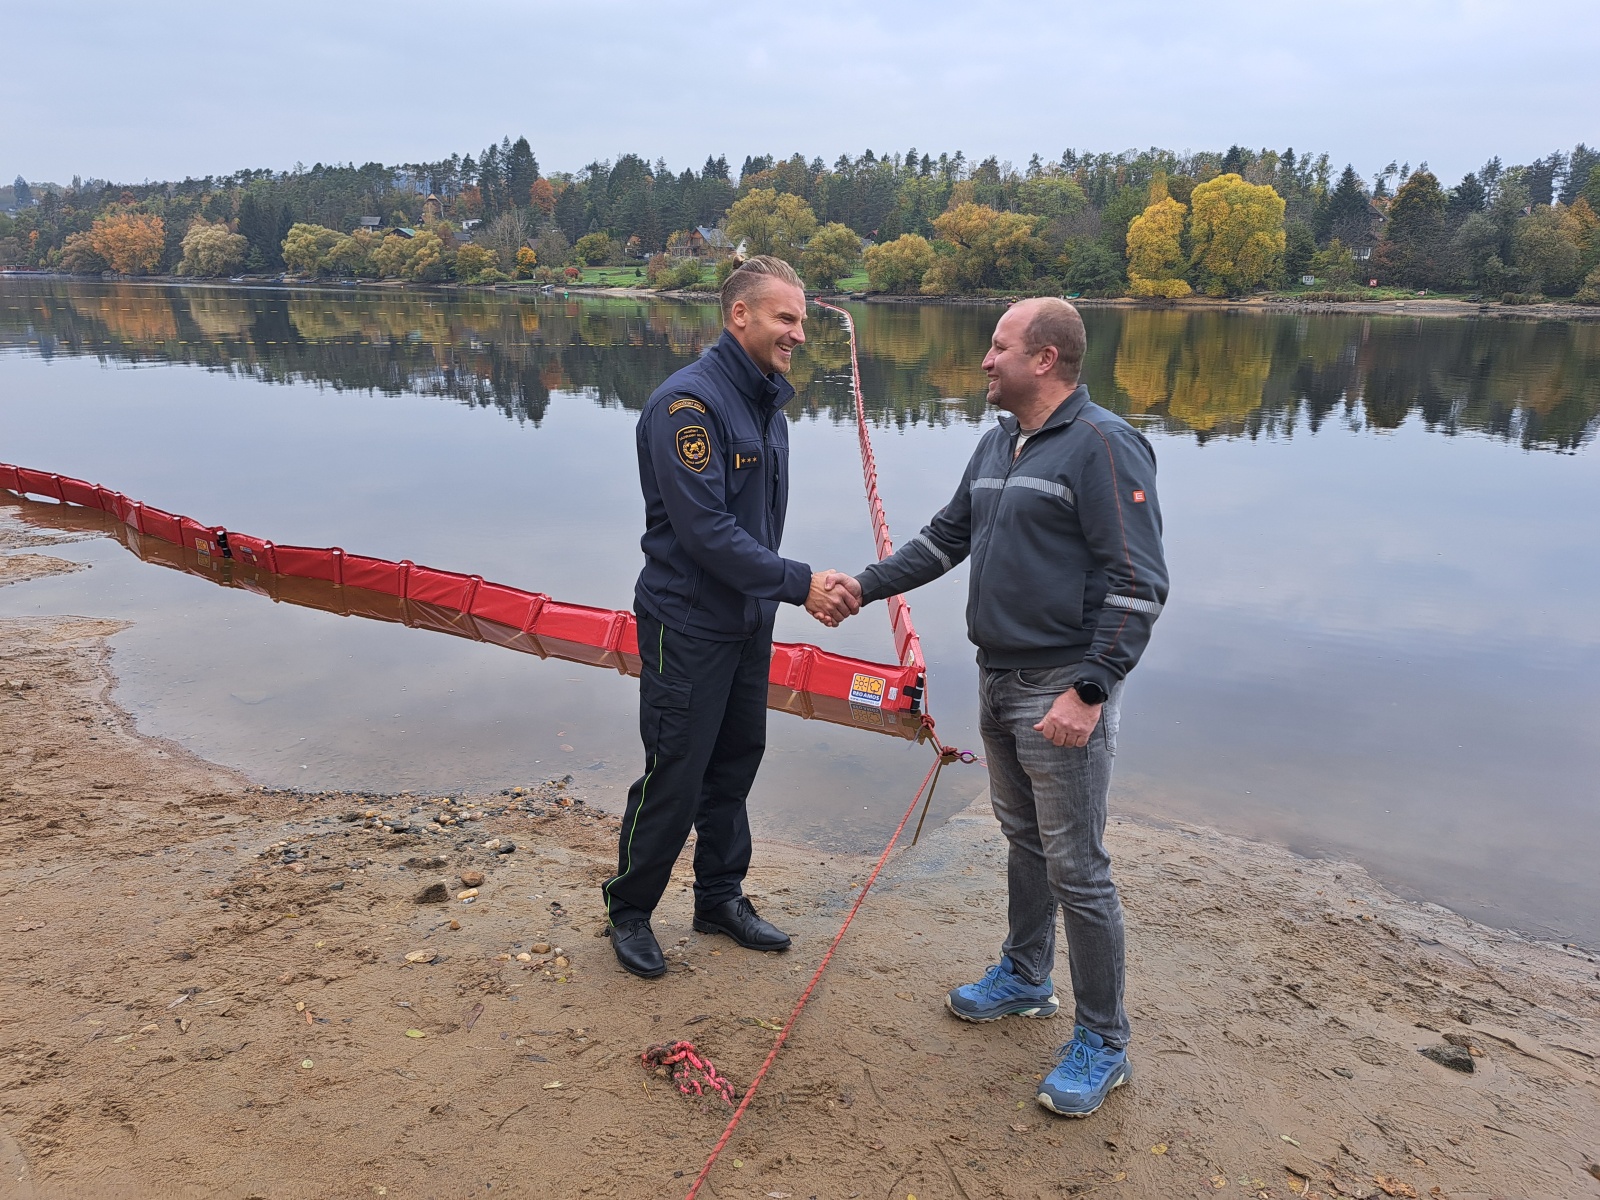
pixel 739 920
pixel 637 948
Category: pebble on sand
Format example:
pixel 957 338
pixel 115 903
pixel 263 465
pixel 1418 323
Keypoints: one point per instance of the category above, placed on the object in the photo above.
pixel 434 893
pixel 1457 1058
pixel 472 879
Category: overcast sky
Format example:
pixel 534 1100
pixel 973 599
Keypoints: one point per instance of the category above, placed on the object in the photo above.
pixel 163 90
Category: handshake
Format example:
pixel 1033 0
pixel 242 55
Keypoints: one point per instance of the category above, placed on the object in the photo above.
pixel 833 597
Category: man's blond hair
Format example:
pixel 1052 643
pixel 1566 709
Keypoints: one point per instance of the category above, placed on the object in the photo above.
pixel 752 275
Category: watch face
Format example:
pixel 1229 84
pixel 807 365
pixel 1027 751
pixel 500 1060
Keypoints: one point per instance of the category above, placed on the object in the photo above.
pixel 1089 693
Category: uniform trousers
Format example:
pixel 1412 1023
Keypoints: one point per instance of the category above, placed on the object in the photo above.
pixel 703 721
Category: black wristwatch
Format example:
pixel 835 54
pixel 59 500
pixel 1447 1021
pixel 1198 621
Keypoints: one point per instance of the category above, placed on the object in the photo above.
pixel 1090 692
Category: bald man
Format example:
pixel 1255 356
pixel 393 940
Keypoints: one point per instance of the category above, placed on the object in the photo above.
pixel 1057 511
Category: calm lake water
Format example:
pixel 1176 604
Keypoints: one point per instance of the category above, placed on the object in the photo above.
pixel 1382 641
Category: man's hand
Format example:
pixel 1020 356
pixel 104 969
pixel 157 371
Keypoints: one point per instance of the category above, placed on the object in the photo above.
pixel 830 603
pixel 1070 721
pixel 838 579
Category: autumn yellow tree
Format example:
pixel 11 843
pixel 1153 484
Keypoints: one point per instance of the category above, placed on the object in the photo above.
pixel 771 223
pixel 211 249
pixel 1237 232
pixel 419 258
pixel 830 255
pixel 305 245
pixel 898 266
pixel 1155 246
pixel 129 243
pixel 474 261
pixel 351 255
pixel 983 248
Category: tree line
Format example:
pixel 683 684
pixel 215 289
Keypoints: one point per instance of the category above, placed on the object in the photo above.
pixel 1147 223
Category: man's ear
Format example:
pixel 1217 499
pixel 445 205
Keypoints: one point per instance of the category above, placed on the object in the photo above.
pixel 739 314
pixel 1048 356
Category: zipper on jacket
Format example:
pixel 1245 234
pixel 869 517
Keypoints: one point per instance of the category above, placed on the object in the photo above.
pixel 772 478
pixel 977 583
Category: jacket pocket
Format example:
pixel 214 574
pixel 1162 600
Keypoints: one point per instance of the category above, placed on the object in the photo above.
pixel 664 715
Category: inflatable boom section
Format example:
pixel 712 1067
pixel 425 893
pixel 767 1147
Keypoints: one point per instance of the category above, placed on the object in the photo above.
pixel 805 679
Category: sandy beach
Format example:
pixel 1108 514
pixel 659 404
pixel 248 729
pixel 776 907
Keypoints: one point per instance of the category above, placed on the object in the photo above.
pixel 213 990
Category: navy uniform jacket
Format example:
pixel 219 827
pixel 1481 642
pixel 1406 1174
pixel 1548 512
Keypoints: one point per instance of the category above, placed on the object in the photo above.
pixel 714 467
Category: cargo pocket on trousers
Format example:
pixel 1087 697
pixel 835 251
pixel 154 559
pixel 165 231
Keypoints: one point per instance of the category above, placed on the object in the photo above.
pixel 664 715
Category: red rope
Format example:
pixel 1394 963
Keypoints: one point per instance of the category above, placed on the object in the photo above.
pixel 686 1059
pixel 906 642
pixel 794 1015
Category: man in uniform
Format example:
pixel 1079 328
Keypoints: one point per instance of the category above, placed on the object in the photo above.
pixel 713 449
pixel 1058 513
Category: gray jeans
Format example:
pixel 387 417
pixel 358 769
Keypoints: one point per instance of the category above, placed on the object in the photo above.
pixel 1051 802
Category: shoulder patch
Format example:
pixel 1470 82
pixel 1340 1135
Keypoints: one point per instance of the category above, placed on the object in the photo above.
pixel 694 447
pixel 683 402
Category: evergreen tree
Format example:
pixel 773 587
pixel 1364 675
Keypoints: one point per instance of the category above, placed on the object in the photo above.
pixel 491 184
pixel 22 192
pixel 1415 250
pixel 1466 198
pixel 1580 163
pixel 1539 177
pixel 521 169
pixel 259 227
pixel 1347 213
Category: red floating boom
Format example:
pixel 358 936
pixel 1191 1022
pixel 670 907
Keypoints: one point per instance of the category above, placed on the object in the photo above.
pixel 497 612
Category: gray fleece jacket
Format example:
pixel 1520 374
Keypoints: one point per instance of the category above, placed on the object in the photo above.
pixel 1065 542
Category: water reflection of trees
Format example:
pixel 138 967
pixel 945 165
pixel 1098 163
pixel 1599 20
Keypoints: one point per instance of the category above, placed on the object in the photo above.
pixel 1207 373
pixel 1254 374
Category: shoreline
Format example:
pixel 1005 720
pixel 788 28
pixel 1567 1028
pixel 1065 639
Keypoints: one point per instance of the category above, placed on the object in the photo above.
pixel 1420 306
pixel 199 970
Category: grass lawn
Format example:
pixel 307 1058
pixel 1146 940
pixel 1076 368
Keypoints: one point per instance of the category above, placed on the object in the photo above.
pixel 1372 293
pixel 854 282
pixel 614 276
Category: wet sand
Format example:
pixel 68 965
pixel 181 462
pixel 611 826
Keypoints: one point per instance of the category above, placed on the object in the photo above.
pixel 206 992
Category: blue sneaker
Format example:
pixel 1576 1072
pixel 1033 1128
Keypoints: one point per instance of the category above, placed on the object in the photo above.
pixel 1089 1071
pixel 1002 993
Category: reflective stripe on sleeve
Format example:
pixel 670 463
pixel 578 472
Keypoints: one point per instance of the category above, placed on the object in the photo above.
pixel 937 553
pixel 1133 604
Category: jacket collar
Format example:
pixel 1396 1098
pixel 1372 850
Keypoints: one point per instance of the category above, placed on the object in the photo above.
pixel 1065 414
pixel 773 391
